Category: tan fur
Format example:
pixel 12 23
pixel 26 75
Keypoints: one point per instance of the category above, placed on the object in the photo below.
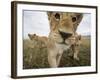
pixel 63 35
pixel 37 38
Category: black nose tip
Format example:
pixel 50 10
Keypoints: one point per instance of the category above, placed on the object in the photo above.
pixel 65 35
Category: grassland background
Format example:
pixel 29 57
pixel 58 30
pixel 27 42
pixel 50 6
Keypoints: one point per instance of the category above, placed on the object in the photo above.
pixel 36 57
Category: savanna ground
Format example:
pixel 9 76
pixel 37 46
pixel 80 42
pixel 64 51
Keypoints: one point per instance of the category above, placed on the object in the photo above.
pixel 36 57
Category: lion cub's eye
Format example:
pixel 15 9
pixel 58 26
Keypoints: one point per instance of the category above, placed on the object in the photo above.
pixel 57 16
pixel 74 19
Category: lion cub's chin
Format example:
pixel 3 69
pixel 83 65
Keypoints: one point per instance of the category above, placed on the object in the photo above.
pixel 62 47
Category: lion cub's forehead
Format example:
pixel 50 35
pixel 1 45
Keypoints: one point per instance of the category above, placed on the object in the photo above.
pixel 62 13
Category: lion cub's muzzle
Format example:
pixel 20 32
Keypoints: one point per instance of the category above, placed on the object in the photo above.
pixel 65 35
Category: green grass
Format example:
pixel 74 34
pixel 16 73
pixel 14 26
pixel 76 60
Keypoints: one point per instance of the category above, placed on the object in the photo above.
pixel 36 57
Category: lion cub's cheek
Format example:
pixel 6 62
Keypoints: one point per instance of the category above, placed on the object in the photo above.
pixel 59 40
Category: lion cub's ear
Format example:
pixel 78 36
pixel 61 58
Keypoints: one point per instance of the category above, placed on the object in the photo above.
pixel 76 20
pixel 79 17
pixel 32 36
pixel 49 14
pixel 29 35
pixel 79 37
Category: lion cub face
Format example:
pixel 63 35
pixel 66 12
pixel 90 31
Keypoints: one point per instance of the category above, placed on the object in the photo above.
pixel 63 25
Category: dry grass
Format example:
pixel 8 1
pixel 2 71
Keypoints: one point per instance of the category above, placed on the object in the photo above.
pixel 37 57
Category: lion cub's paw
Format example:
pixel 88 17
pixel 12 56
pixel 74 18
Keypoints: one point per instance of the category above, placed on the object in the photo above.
pixel 76 58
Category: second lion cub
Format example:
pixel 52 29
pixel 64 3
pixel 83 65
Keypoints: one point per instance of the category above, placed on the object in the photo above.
pixel 41 39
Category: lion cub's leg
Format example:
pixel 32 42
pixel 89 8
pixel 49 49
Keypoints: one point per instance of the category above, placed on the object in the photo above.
pixel 59 57
pixel 76 46
pixel 76 55
pixel 52 59
pixel 75 51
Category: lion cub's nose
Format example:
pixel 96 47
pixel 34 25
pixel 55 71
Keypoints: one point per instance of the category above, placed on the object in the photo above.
pixel 65 35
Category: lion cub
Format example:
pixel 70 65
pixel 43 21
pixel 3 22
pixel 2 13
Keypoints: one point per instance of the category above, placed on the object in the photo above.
pixel 75 45
pixel 39 39
pixel 63 35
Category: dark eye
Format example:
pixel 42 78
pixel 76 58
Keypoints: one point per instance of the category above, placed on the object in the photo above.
pixel 57 16
pixel 74 19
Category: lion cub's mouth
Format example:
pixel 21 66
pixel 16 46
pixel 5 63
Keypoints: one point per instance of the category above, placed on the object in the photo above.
pixel 65 36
